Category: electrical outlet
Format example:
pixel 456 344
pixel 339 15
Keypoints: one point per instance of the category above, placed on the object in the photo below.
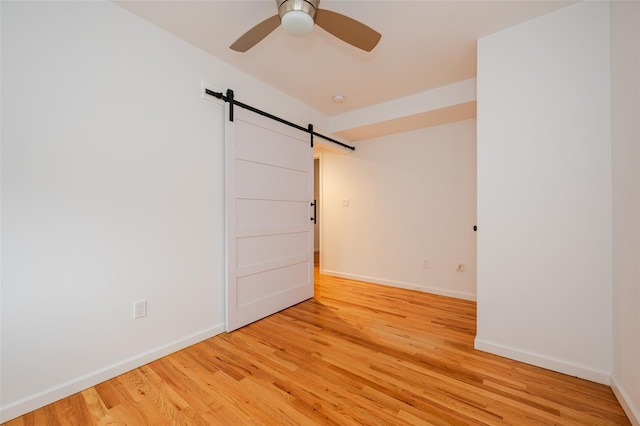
pixel 426 264
pixel 140 309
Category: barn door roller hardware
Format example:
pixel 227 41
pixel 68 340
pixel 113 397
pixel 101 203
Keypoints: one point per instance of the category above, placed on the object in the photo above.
pixel 229 97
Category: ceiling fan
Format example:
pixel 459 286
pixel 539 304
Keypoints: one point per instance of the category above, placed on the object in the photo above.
pixel 298 18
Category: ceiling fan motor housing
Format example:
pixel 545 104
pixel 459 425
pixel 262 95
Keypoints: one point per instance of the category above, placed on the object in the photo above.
pixel 307 6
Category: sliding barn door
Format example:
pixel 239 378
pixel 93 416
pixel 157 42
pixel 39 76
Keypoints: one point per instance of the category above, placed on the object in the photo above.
pixel 269 217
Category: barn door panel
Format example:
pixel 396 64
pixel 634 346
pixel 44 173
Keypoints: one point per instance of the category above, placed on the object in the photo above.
pixel 269 224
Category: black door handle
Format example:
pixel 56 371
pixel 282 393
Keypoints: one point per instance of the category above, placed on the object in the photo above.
pixel 475 227
pixel 314 212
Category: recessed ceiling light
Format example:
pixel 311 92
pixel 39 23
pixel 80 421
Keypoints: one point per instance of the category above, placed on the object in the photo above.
pixel 338 98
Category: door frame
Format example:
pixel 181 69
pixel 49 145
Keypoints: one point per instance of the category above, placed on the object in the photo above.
pixel 318 155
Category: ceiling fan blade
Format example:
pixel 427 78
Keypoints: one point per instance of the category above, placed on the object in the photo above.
pixel 256 34
pixel 348 30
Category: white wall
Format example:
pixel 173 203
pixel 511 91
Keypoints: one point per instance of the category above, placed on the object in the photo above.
pixel 625 110
pixel 544 192
pixel 112 191
pixel 412 197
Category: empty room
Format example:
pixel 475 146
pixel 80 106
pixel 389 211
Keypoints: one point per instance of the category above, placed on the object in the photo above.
pixel 320 212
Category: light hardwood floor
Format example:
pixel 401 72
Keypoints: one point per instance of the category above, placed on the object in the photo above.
pixel 355 354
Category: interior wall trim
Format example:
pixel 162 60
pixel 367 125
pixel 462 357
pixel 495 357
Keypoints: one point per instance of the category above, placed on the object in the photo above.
pixel 79 384
pixel 543 361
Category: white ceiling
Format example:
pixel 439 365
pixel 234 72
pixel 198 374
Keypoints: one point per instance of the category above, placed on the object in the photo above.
pixel 424 45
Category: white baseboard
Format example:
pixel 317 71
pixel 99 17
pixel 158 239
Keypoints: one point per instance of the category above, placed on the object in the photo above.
pixel 631 409
pixel 550 363
pixel 48 396
pixel 399 284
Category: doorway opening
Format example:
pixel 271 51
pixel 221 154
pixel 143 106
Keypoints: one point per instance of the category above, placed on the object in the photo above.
pixel 318 200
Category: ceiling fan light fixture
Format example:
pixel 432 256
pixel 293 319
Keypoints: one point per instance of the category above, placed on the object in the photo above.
pixel 298 17
pixel 297 23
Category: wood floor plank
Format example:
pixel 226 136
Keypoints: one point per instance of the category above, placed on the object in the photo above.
pixel 355 354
